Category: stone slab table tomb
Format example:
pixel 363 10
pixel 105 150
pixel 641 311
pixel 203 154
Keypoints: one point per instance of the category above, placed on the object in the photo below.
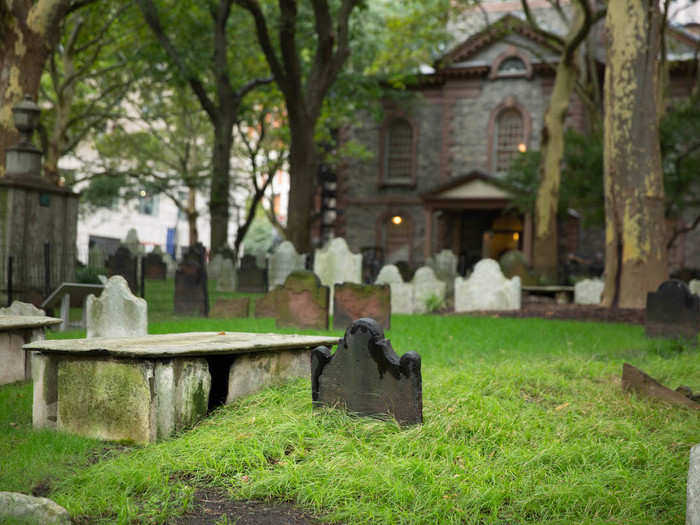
pixel 15 331
pixel 143 389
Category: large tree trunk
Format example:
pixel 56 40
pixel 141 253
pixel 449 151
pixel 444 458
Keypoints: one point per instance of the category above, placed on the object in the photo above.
pixel 635 253
pixel 192 216
pixel 29 31
pixel 220 184
pixel 303 166
pixel 545 253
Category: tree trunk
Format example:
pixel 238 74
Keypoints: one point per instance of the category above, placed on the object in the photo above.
pixel 192 216
pixel 303 166
pixel 635 253
pixel 545 253
pixel 29 32
pixel 220 183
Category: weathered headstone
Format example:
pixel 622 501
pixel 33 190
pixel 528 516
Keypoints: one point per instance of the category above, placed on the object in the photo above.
pixel 367 377
pixel 513 263
pixel 588 291
pixel 301 303
pixel 372 262
pixel 284 261
pixel 154 267
pixel 117 312
pixel 355 301
pixel 20 508
pixel 335 263
pixel 124 263
pixel 427 287
pixel 672 311
pixel 694 286
pixel 487 289
pixel 191 294
pixel 226 281
pixel 692 507
pixel 401 293
pixel 214 266
pixel 444 264
pixel 170 264
pixel 231 308
pixel 251 278
pixel 132 242
pixel 20 308
pixel 637 381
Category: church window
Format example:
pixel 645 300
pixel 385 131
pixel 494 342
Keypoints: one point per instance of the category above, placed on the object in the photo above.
pixel 510 138
pixel 399 151
pixel 511 66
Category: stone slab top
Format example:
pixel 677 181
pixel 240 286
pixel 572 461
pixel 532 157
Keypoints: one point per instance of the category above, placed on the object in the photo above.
pixel 12 322
pixel 180 345
pixel 79 290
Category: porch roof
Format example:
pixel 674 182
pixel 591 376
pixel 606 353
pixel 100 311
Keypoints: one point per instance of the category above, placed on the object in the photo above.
pixel 476 189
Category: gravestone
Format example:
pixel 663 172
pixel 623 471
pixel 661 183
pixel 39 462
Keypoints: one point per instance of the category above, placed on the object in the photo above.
pixel 117 312
pixel 214 266
pixel 444 264
pixel 335 263
pixel 487 289
pixel 694 286
pixel 367 377
pixel 355 301
pixel 154 267
pixel 283 261
pixel 96 257
pixel 191 294
pixel 170 264
pixel 124 263
pixel 588 291
pixel 251 278
pixel 132 242
pixel 426 288
pixel 20 308
pixel 692 506
pixel 405 269
pixel 236 307
pixel 401 292
pixel 672 311
pixel 302 302
pixel 372 262
pixel 226 281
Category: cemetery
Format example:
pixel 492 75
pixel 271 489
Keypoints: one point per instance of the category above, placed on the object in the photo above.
pixel 349 263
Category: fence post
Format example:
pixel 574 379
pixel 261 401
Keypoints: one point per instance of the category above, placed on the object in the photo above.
pixel 47 269
pixel 10 260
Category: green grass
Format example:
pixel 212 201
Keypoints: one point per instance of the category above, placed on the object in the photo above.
pixel 525 422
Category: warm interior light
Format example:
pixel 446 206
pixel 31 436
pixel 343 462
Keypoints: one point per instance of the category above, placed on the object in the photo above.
pixel 397 219
pixel 516 236
pixel 522 148
pixel 142 193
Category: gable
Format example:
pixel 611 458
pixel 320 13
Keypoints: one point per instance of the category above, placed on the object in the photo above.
pixel 474 189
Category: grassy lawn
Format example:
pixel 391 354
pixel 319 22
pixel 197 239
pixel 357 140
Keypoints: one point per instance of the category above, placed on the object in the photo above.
pixel 525 422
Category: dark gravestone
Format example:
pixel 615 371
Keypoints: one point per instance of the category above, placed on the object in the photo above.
pixel 633 379
pixel 154 267
pixel 124 263
pixel 352 301
pixel 367 377
pixel 251 278
pixel 405 270
pixel 372 262
pixel 230 308
pixel 302 302
pixel 673 311
pixel 191 295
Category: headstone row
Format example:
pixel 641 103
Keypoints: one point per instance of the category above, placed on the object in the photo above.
pixel 413 297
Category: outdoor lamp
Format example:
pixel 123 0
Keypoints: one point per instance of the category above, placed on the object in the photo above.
pixel 397 219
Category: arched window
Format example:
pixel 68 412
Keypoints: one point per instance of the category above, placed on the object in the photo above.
pixel 512 66
pixel 398 157
pixel 510 138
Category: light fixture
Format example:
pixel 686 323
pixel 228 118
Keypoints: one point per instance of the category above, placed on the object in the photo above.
pixel 397 219
pixel 142 193
pixel 522 148
pixel 516 236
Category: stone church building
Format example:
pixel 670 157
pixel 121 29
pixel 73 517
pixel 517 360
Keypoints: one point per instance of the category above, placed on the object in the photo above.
pixel 432 181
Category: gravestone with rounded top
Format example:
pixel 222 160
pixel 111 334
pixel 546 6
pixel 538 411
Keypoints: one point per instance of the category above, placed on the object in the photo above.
pixel 284 261
pixel 487 289
pixel 214 266
pixel 132 242
pixel 673 311
pixel 226 281
pixel 251 277
pixel 366 377
pixel 401 292
pixel 116 312
pixel 154 267
pixel 335 263
pixel 427 288
pixel 124 263
pixel 355 301
pixel 301 303
pixel 444 264
pixel 588 291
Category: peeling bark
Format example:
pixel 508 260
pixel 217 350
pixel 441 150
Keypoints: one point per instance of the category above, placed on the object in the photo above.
pixel 635 252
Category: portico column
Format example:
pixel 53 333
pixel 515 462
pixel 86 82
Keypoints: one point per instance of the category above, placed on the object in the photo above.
pixel 428 247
